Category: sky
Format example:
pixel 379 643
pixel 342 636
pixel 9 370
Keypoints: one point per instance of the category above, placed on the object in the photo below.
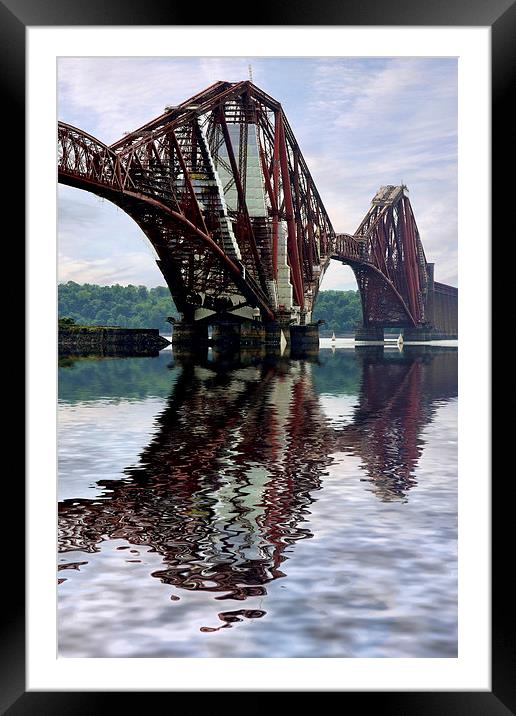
pixel 360 123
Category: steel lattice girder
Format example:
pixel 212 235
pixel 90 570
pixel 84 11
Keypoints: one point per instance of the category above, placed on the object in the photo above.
pixel 215 246
pixel 387 257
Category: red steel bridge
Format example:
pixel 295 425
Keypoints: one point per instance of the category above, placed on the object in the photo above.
pixel 220 187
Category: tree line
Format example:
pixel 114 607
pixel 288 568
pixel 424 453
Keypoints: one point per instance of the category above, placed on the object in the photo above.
pixel 142 307
pixel 341 311
pixel 126 306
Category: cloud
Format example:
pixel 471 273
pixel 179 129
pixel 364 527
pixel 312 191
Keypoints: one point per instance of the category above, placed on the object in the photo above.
pixel 106 272
pixel 386 122
pixel 338 277
pixel 110 96
pixel 99 243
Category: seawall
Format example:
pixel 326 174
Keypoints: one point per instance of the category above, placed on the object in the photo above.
pixel 109 340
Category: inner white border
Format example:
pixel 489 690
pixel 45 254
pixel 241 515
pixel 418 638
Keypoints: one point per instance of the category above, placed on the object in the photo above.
pixel 471 670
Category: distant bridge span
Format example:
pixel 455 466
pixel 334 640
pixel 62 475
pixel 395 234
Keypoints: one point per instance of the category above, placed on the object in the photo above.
pixel 219 186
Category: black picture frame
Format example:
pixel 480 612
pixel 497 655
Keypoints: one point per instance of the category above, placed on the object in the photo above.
pixel 500 16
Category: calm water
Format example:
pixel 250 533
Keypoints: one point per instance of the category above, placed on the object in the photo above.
pixel 297 508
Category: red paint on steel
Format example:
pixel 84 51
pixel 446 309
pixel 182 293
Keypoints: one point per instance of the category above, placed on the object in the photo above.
pixel 275 184
pixel 293 253
pixel 157 163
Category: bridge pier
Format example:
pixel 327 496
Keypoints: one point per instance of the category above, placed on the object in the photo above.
pixel 252 333
pixel 225 332
pixel 189 333
pixel 231 331
pixel 369 334
pixel 304 337
pixel 304 341
pixel 273 331
pixel 414 335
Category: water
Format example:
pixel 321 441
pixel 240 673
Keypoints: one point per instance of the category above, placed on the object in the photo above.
pixel 296 508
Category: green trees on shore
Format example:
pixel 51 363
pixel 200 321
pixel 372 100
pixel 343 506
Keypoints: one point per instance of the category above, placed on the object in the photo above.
pixel 126 306
pixel 142 307
pixel 341 310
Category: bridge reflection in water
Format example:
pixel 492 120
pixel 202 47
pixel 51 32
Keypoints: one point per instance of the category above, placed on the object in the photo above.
pixel 226 483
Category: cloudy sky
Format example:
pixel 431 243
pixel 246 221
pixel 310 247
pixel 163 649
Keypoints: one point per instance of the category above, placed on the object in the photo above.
pixel 360 123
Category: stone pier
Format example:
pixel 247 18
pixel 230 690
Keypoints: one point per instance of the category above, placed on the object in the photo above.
pixel 229 331
pixel 304 336
pixel 413 335
pixel 252 333
pixel 304 340
pixel 225 332
pixel 273 331
pixel 233 332
pixel 189 333
pixel 369 333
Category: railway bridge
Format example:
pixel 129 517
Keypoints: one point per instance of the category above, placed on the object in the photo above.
pixel 220 187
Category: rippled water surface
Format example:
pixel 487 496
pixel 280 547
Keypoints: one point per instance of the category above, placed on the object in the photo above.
pixel 233 507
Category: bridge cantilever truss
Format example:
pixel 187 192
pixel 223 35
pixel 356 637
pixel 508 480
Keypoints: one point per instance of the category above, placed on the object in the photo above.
pixel 221 189
pixel 388 259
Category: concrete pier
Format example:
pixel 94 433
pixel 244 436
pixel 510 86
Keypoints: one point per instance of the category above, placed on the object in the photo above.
pixel 412 335
pixel 273 330
pixel 225 331
pixel 252 333
pixel 189 333
pixel 304 341
pixel 304 337
pixel 233 332
pixel 427 334
pixel 369 333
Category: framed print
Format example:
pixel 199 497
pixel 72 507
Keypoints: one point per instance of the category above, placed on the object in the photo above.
pixel 296 508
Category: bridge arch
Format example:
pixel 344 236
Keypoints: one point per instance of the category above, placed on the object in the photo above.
pixel 88 164
pixel 382 304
